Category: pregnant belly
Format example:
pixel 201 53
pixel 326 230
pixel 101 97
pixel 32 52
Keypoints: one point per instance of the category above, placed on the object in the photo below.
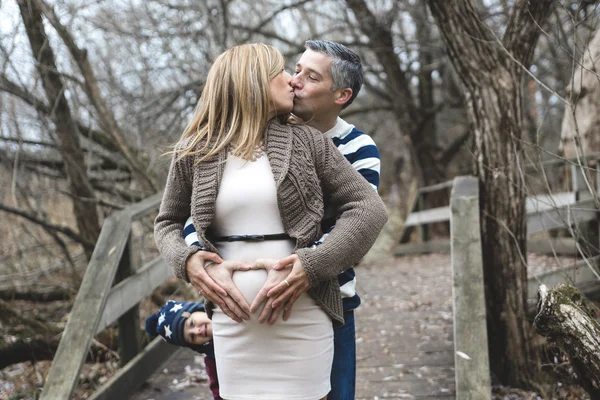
pixel 249 283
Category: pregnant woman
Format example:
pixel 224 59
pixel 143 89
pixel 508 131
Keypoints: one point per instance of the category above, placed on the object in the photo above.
pixel 254 187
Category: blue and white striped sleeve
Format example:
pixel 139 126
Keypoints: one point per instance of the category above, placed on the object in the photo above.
pixel 190 235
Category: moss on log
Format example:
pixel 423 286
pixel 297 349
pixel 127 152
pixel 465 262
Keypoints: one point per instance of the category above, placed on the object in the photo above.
pixel 567 319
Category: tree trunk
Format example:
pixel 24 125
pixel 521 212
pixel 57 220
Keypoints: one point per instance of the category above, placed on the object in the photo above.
pixel 493 83
pixel 567 319
pixel 411 120
pixel 66 128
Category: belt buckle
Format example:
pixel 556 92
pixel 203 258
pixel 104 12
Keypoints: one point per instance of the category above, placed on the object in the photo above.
pixel 256 238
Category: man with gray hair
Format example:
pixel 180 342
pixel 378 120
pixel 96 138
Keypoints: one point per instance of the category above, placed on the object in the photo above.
pixel 326 80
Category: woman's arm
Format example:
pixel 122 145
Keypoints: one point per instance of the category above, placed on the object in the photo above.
pixel 174 209
pixel 362 215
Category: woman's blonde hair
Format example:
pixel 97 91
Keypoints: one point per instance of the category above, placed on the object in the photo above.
pixel 235 103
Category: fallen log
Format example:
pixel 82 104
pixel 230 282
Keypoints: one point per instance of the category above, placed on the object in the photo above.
pixel 567 319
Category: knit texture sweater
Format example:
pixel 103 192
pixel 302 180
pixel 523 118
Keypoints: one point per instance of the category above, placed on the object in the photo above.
pixel 306 166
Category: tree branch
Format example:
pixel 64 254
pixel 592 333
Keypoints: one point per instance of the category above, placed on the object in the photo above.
pixel 94 94
pixel 522 30
pixel 65 230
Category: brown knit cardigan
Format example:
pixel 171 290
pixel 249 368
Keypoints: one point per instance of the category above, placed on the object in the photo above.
pixel 307 168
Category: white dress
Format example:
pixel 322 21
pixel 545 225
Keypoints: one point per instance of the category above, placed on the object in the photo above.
pixel 290 359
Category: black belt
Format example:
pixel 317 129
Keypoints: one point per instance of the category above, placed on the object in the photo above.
pixel 252 238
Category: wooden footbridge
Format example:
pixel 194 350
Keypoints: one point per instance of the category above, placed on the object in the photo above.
pixel 421 330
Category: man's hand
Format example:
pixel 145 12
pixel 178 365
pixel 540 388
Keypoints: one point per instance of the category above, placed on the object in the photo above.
pixel 274 277
pixel 291 288
pixel 234 305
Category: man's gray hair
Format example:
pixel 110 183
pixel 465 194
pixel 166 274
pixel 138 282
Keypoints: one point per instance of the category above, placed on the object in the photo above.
pixel 346 68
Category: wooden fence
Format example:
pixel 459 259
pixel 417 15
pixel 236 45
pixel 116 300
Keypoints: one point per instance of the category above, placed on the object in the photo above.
pixel 544 212
pixel 100 302
pixel 562 210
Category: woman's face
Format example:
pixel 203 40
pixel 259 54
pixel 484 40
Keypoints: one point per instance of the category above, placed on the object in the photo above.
pixel 197 328
pixel 282 93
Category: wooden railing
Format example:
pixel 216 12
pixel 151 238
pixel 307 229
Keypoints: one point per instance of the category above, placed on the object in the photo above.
pixel 471 360
pixel 544 212
pixel 99 303
pixel 562 210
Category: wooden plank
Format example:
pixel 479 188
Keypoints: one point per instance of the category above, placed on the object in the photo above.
pixel 129 323
pixel 561 217
pixel 81 326
pixel 436 187
pixel 439 214
pixel 133 290
pixel 571 160
pixel 144 207
pixel 438 246
pixel 579 274
pixel 559 246
pixel 545 202
pixel 471 358
pixel 137 371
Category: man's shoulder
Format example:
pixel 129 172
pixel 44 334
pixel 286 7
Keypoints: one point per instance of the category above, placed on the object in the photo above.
pixel 357 138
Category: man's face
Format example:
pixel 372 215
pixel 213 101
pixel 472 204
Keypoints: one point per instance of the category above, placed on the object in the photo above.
pixel 312 85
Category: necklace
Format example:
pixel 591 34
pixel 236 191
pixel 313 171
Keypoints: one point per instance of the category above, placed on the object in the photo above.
pixel 257 152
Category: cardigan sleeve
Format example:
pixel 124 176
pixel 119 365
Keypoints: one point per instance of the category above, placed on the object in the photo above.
pixel 362 215
pixel 174 210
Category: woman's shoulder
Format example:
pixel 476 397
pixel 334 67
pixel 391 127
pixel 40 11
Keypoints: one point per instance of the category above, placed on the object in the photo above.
pixel 304 130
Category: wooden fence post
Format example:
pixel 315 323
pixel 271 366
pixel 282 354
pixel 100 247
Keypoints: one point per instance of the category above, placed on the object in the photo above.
pixel 588 234
pixel 425 227
pixel 129 323
pixel 471 358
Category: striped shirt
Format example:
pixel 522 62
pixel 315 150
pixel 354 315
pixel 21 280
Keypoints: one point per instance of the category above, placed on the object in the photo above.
pixel 360 150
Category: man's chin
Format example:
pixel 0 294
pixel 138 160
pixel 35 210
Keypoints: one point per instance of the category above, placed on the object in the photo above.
pixel 305 116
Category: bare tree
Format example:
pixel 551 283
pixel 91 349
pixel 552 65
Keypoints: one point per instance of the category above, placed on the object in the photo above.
pixel 492 71
pixel 66 128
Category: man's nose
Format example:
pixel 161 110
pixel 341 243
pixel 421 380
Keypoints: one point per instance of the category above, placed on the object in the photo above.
pixel 296 82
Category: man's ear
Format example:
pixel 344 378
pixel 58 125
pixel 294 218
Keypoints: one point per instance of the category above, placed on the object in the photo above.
pixel 342 96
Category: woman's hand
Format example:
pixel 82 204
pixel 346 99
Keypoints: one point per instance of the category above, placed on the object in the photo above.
pixel 274 277
pixel 234 304
pixel 289 290
pixel 196 273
